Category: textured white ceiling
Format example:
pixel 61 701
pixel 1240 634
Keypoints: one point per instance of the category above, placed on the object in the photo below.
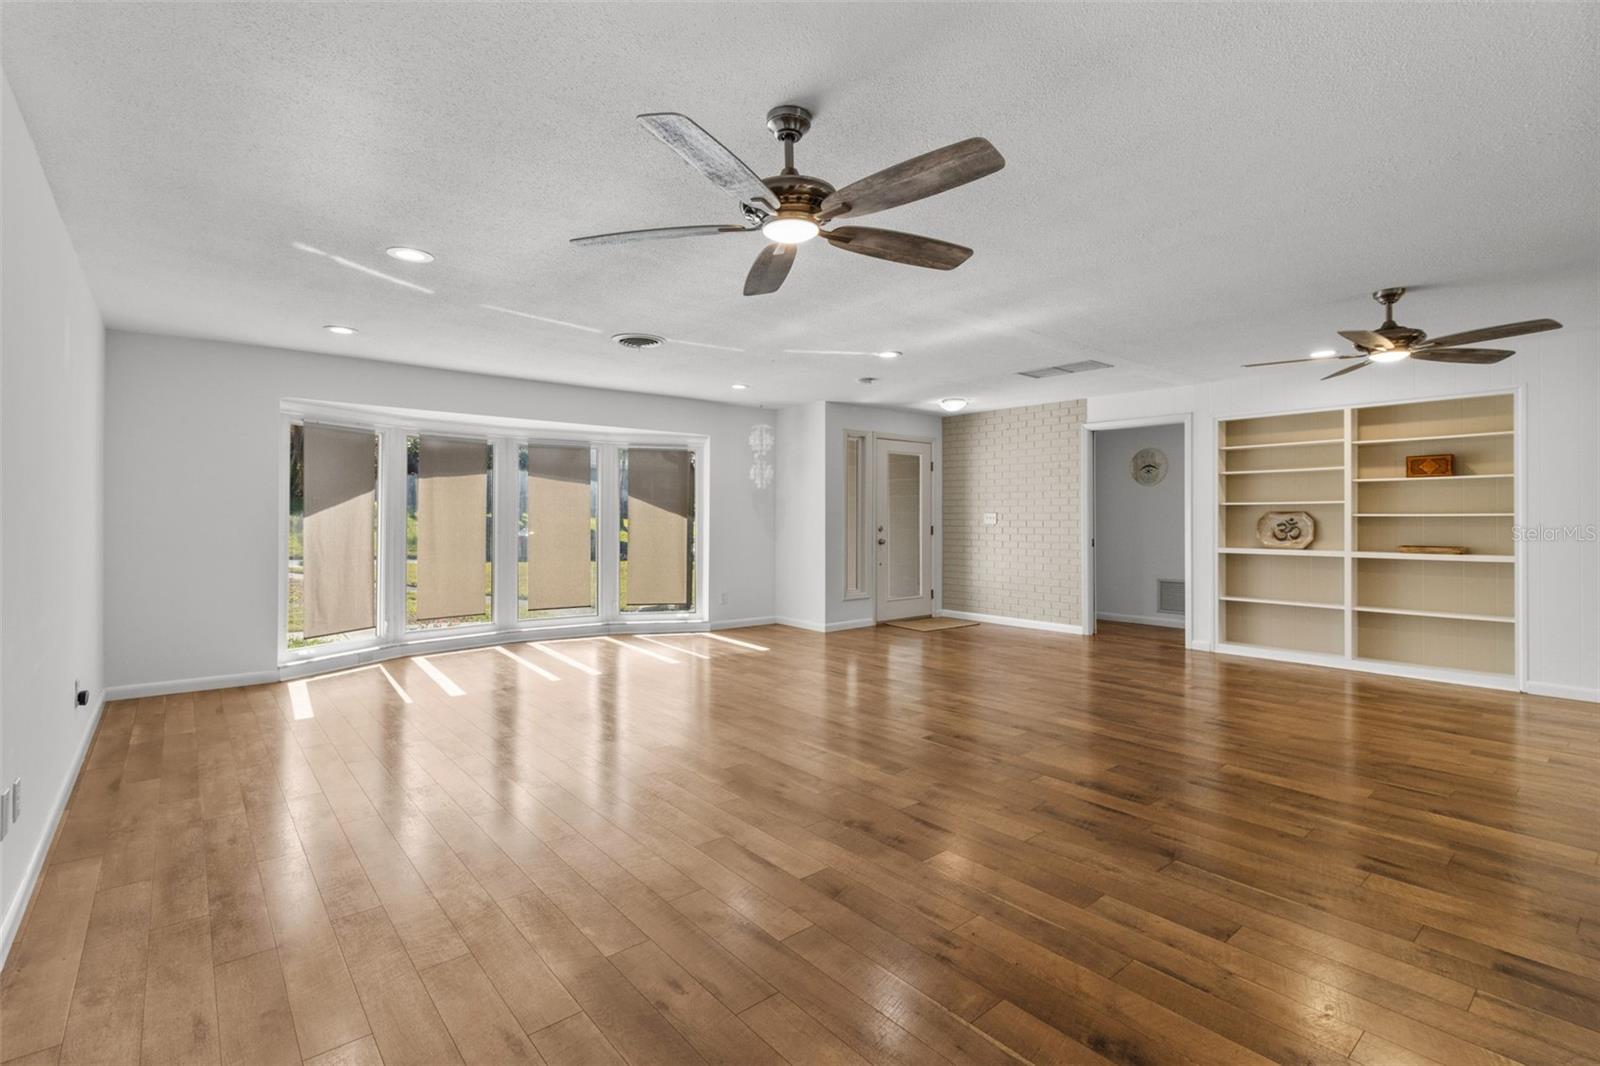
pixel 1187 188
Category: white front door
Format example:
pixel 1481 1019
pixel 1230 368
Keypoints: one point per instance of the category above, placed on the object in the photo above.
pixel 904 530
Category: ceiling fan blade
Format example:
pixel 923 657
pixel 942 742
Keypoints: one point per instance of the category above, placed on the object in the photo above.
pixel 769 270
pixel 1318 359
pixel 1492 333
pixel 707 155
pixel 934 172
pixel 1365 338
pixel 898 247
pixel 1462 355
pixel 1349 369
pixel 657 234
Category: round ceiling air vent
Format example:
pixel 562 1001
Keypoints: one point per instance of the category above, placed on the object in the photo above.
pixel 639 341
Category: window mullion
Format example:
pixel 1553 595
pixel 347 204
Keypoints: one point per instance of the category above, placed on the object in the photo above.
pixel 506 521
pixel 391 535
pixel 607 539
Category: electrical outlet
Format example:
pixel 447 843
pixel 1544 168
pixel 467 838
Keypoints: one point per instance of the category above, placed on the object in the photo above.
pixel 723 599
pixel 80 695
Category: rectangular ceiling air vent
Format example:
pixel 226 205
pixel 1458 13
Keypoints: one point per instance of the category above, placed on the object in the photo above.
pixel 1065 368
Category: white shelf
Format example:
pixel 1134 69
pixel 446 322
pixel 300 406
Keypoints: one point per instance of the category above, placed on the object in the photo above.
pixel 1436 436
pixel 1435 514
pixel 1283 603
pixel 1313 552
pixel 1283 503
pixel 1453 477
pixel 1433 557
pixel 1281 444
pixel 1436 614
pixel 1284 470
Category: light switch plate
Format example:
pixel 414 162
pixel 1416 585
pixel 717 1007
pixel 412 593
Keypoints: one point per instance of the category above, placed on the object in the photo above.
pixel 991 518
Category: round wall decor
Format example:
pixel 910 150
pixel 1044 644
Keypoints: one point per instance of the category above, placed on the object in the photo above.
pixel 1148 466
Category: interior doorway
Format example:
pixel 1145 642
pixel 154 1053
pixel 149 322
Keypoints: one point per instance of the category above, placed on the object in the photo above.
pixel 1138 524
pixel 903 534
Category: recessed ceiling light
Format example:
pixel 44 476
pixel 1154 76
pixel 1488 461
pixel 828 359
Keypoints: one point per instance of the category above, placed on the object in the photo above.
pixel 890 354
pixel 1325 353
pixel 343 331
pixel 1393 355
pixel 953 403
pixel 409 255
pixel 741 386
pixel 867 381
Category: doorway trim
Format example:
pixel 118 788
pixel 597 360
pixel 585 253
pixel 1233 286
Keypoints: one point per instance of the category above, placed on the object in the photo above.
pixel 880 506
pixel 1086 434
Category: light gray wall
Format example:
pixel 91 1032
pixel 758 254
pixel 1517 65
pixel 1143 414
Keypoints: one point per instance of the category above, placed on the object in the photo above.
pixel 1022 464
pixel 192 467
pixel 1138 529
pixel 801 552
pixel 51 410
pixel 1559 374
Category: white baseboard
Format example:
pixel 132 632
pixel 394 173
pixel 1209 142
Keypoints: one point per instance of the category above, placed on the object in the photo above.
pixel 796 623
pixel 1019 623
pixel 1199 645
pixel 1142 619
pixel 851 623
pixel 742 623
pixel 190 684
pixel 18 906
pixel 1562 692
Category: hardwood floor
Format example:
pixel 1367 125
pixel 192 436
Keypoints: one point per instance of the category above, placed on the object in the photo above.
pixel 982 845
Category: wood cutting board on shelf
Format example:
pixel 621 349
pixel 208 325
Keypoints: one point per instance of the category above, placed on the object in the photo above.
pixel 1433 549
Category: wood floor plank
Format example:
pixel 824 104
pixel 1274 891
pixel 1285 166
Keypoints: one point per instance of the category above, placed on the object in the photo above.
pixel 404 1021
pixel 180 1001
pixel 108 999
pixel 322 998
pixel 254 1014
pixel 478 1019
pixel 36 988
pixel 984 845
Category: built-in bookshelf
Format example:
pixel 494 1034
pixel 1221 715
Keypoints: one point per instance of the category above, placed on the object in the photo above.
pixel 1353 594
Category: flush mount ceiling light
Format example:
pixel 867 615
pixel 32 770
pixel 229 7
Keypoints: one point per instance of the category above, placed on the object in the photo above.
pixel 1391 342
pixel 741 386
pixel 790 208
pixel 1325 353
pixel 409 255
pixel 890 354
pixel 953 403
pixel 343 331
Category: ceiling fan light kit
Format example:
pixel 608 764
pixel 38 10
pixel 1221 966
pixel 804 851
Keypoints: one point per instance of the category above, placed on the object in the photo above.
pixel 791 208
pixel 1393 343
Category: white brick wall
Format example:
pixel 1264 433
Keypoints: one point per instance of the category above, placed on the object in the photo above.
pixel 1022 464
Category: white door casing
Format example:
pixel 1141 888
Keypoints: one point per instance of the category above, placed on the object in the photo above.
pixel 903 533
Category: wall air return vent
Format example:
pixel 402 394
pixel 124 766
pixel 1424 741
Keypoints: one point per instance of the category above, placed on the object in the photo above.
pixel 1065 368
pixel 1169 596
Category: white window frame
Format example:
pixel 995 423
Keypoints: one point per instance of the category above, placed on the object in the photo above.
pixel 506 437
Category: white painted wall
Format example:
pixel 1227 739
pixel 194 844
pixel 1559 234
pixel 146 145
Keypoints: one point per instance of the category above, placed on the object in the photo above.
pixel 880 422
pixel 51 377
pixel 1138 529
pixel 192 461
pixel 800 557
pixel 1560 375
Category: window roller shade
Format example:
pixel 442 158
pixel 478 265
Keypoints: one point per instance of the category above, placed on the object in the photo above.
pixel 339 485
pixel 560 574
pixel 452 494
pixel 660 510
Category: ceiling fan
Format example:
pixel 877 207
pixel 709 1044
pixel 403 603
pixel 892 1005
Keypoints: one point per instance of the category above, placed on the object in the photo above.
pixel 792 207
pixel 1390 343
